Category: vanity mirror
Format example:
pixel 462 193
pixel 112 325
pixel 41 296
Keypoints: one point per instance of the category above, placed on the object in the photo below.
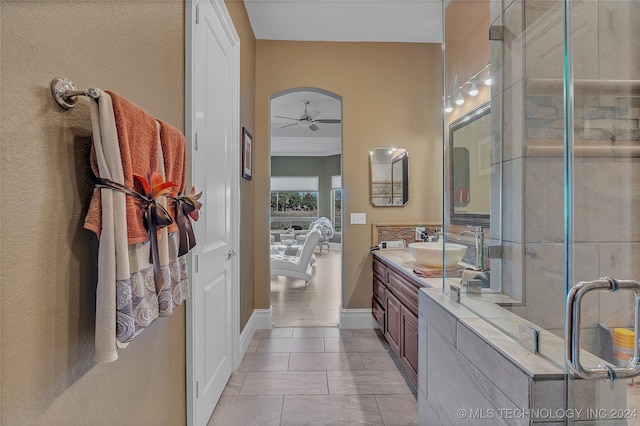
pixel 470 168
pixel 389 176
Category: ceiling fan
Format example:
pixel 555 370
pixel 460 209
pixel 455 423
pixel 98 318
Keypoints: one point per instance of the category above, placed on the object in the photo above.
pixel 308 119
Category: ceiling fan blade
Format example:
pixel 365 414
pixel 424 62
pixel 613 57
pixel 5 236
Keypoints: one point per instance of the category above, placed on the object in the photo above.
pixel 328 120
pixel 314 127
pixel 313 114
pixel 288 125
pixel 287 118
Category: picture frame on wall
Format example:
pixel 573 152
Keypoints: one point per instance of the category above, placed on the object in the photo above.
pixel 247 154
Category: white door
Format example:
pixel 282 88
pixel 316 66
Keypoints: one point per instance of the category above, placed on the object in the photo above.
pixel 213 117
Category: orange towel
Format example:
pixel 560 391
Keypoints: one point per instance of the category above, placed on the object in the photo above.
pixel 175 162
pixel 138 138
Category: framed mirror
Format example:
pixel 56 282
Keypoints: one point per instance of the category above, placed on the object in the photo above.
pixel 470 168
pixel 389 177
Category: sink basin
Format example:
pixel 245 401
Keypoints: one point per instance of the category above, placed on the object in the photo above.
pixel 430 254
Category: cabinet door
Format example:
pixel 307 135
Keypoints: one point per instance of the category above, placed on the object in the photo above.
pixel 393 322
pixel 409 343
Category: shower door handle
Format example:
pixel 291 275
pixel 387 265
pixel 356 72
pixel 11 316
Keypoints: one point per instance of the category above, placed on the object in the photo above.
pixel 572 330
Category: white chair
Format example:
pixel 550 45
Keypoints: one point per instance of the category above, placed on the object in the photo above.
pixel 297 266
pixel 326 230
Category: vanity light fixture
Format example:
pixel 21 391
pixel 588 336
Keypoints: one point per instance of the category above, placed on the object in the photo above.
pixel 448 107
pixel 473 87
pixel 484 75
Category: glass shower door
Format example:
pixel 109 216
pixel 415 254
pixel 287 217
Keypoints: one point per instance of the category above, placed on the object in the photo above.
pixel 569 91
pixel 602 199
pixel 565 182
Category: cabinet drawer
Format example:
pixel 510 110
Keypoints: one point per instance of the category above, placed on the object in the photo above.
pixel 378 289
pixel 378 313
pixel 379 269
pixel 406 292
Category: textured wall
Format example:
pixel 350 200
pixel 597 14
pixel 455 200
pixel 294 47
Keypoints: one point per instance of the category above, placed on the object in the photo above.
pixel 247 113
pixel 48 262
pixel 391 96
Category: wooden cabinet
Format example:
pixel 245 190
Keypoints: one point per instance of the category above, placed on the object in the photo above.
pixel 395 308
pixel 394 326
pixel 409 339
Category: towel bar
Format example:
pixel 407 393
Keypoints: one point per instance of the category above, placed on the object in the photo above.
pixel 66 94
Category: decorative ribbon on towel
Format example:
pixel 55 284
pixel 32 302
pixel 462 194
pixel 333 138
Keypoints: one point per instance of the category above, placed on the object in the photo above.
pixel 155 215
pixel 187 206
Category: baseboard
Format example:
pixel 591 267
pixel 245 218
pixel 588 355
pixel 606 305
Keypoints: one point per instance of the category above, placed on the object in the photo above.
pixel 335 246
pixel 263 318
pixel 260 319
pixel 357 319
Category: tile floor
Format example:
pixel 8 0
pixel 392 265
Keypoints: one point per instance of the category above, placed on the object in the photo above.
pixel 318 376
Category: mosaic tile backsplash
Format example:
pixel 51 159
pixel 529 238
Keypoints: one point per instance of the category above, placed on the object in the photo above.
pixel 405 233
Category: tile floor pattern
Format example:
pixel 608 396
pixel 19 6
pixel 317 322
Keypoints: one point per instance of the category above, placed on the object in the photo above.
pixel 318 376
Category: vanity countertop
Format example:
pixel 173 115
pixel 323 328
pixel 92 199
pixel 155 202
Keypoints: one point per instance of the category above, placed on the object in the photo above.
pixel 403 262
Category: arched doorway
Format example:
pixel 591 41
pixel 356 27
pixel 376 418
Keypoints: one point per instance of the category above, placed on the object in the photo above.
pixel 306 185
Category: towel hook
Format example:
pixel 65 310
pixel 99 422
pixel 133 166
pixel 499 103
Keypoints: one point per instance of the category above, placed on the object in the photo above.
pixel 66 94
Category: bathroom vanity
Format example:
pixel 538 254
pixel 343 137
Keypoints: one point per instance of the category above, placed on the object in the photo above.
pixel 395 306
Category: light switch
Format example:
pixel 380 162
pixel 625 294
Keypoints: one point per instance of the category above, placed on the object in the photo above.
pixel 358 218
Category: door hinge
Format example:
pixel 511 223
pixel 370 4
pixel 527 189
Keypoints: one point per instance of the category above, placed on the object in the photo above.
pixel 197 13
pixel 196 266
pixel 197 141
pixel 197 389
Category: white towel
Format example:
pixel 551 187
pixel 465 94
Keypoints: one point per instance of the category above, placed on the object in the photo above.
pixel 113 259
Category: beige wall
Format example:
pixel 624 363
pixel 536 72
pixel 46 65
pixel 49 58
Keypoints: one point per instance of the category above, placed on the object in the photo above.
pixel 391 96
pixel 247 113
pixel 48 262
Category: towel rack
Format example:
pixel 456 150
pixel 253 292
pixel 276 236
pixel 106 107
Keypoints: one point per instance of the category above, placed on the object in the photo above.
pixel 66 94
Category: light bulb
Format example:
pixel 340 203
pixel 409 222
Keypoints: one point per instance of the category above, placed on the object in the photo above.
pixel 459 99
pixel 488 80
pixel 473 88
pixel 448 107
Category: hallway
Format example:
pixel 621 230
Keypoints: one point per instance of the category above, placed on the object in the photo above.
pixel 317 376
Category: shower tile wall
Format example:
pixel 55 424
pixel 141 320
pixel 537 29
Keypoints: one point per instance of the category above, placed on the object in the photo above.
pixel 531 60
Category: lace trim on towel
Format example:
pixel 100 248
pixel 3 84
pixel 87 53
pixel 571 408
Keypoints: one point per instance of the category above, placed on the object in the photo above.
pixel 137 305
pixel 176 286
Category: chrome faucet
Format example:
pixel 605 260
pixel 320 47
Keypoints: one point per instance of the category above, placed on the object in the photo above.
pixel 434 237
pixel 479 240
